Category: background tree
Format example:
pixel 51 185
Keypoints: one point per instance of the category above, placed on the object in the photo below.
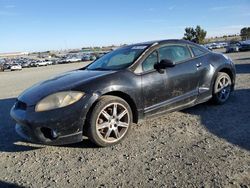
pixel 245 33
pixel 200 35
pixel 196 35
pixel 189 34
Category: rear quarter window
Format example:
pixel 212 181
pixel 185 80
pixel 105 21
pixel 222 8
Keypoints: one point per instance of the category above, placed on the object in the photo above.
pixel 197 51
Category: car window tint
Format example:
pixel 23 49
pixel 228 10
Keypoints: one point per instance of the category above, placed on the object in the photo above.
pixel 196 51
pixel 148 64
pixel 174 53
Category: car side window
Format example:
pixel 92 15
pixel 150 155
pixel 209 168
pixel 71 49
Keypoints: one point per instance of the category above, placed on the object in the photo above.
pixel 196 51
pixel 175 53
pixel 149 62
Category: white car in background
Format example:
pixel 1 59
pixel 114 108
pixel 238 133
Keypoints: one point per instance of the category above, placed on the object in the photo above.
pixel 15 67
pixel 73 60
pixel 43 63
pixel 49 62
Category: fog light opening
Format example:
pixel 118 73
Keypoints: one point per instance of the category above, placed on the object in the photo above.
pixel 54 134
pixel 49 133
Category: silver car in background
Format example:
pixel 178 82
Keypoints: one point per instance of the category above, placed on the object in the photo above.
pixel 233 46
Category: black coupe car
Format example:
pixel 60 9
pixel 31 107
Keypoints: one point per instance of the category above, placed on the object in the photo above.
pixel 125 86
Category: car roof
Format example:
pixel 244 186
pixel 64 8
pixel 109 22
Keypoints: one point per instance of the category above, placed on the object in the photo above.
pixel 165 42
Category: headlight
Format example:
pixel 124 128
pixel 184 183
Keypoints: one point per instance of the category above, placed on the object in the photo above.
pixel 58 100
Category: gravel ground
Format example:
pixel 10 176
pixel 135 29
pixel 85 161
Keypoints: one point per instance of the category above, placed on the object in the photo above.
pixel 205 146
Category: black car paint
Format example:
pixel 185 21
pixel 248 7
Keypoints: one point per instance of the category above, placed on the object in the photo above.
pixel 68 81
pixel 148 93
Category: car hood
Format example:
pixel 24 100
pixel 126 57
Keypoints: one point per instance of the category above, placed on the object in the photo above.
pixel 63 82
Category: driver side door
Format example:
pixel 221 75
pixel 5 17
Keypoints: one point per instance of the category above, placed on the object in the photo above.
pixel 181 81
pixel 173 87
pixel 153 87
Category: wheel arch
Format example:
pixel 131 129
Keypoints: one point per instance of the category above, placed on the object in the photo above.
pixel 129 100
pixel 120 94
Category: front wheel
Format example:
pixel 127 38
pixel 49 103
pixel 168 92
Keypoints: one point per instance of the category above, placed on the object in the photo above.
pixel 222 88
pixel 110 121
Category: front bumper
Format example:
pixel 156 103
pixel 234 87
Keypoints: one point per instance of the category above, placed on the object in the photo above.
pixel 54 127
pixel 37 136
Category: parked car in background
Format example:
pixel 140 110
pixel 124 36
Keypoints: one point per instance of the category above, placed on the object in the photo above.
pixel 89 57
pixel 224 44
pixel 92 58
pixel 245 46
pixel 26 64
pixel 2 62
pixel 216 46
pixel 61 61
pixel 49 62
pixel 100 54
pixel 72 59
pixel 208 46
pixel 42 63
pixel 15 66
pixel 39 63
pixel 135 82
pixel 55 61
pixel 34 63
pixel 5 66
pixel 233 46
pixel 86 58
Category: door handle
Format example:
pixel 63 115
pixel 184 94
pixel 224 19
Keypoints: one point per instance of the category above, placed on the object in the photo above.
pixel 198 65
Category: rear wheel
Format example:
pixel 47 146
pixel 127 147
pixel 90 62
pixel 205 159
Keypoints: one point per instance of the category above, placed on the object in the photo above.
pixel 222 88
pixel 110 121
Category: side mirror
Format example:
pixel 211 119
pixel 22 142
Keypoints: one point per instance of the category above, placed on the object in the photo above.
pixel 165 63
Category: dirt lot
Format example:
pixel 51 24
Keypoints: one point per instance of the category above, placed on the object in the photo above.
pixel 205 146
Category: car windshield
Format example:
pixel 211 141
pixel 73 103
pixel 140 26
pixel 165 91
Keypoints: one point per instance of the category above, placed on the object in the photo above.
pixel 118 59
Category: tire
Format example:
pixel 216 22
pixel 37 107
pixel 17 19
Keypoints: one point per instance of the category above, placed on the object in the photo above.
pixel 222 88
pixel 106 126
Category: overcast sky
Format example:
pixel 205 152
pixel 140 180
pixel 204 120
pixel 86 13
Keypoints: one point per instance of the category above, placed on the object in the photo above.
pixel 38 25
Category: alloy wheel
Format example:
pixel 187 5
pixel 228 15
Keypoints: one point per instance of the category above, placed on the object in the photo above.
pixel 112 122
pixel 223 88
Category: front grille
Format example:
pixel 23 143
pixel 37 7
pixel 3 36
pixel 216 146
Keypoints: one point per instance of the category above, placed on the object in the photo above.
pixel 21 105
